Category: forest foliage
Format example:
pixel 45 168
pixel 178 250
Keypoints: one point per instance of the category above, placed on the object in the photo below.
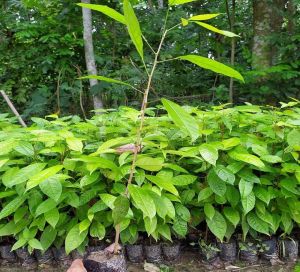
pixel 42 55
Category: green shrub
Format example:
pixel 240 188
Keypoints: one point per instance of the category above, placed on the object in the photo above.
pixel 63 179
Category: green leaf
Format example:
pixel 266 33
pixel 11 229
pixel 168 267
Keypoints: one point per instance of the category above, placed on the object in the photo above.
pixel 163 183
pixel 108 200
pixel 245 188
pixel 217 225
pixel 150 225
pixel 97 230
pixel 42 176
pixel 106 79
pixel 247 158
pixel 216 30
pixel 182 212
pixel 52 187
pixel 150 164
pixel 25 148
pixel 271 158
pixel 170 207
pixel 217 185
pixel 248 203
pixel 161 207
pixel 74 238
pixel 183 180
pixel 205 194
pixel 209 153
pixel 209 211
pixel 52 217
pixel 293 139
pixel 121 207
pixel 232 215
pixel 84 225
pixel 179 2
pixel 12 206
pixel 180 227
pixel 213 65
pixel 34 243
pixel 184 22
pixel 48 237
pixel 89 179
pixel 74 144
pixel 262 194
pixel 165 231
pixel 225 174
pixel 143 200
pixel 45 206
pixel 133 27
pixel 203 17
pixel 257 224
pixel 20 243
pixel 24 174
pixel 181 118
pixel 105 10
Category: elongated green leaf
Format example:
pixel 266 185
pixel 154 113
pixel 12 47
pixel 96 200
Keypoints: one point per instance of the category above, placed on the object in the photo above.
pixel 209 211
pixel 216 30
pixel 182 212
pixel 213 65
pixel 179 2
pixel 163 183
pixel 106 79
pixel 25 148
pixel 248 203
pixel 34 243
pixel 24 174
pixel 121 207
pixel 245 188
pixel 262 194
pixel 183 180
pixel 225 174
pixel 217 225
pixel 203 17
pixel 143 200
pixel 74 144
pixel 248 158
pixel 12 206
pixel 161 207
pixel 20 243
pixel 217 185
pixel 97 230
pixel 209 153
pixel 52 217
pixel 105 10
pixel 48 236
pixel 52 187
pixel 150 225
pixel 180 226
pixel 165 231
pixel 150 164
pixel 181 118
pixel 74 238
pixel 42 176
pixel 45 206
pixel 205 194
pixel 232 215
pixel 109 200
pixel 133 27
pixel 257 224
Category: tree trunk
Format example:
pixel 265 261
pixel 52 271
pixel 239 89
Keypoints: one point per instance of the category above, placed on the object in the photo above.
pixel 89 51
pixel 231 19
pixel 291 16
pixel 160 4
pixel 261 50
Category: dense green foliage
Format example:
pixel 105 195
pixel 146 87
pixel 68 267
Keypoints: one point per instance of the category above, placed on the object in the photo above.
pixel 235 169
pixel 42 56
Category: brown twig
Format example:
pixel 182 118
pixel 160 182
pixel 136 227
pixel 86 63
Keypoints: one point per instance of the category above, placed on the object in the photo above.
pixel 13 109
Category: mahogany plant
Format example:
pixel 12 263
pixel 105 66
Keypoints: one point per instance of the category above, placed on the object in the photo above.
pixel 129 19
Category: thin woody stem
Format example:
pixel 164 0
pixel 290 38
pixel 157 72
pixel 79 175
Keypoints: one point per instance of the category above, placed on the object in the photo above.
pixel 138 141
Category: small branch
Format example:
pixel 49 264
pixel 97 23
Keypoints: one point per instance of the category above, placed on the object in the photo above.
pixel 13 109
pixel 151 48
pixel 171 28
pixel 81 91
pixel 58 91
pixel 162 61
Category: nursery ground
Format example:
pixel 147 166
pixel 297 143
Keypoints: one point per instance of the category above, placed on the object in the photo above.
pixel 188 262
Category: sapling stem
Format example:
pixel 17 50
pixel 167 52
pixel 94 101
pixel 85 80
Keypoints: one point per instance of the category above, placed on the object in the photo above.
pixel 138 141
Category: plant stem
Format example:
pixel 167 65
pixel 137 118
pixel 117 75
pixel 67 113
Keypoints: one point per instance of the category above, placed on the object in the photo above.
pixel 138 141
